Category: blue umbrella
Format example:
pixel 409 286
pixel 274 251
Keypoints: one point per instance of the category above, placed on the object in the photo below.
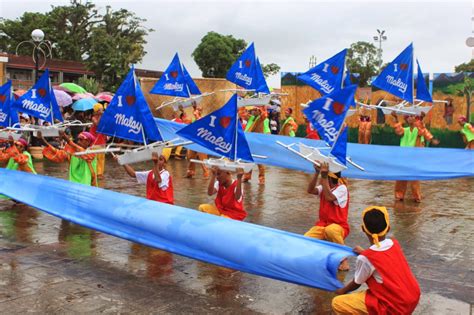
pixel 84 104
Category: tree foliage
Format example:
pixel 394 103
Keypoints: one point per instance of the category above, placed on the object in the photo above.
pixel 362 59
pixel 216 53
pixel 465 67
pixel 106 43
pixel 270 69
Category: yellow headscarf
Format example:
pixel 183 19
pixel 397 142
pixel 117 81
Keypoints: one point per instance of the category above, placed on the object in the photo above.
pixel 98 107
pixel 375 236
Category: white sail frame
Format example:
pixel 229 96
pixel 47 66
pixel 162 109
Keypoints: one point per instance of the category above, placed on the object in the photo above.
pixel 178 102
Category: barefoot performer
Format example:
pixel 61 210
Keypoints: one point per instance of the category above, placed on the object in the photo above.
pixel 333 208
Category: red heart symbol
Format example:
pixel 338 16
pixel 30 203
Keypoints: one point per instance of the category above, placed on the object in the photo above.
pixel 130 99
pixel 334 69
pixel 403 66
pixel 174 74
pixel 3 98
pixel 338 108
pixel 42 92
pixel 224 122
pixel 248 63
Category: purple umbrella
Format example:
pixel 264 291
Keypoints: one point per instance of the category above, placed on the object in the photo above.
pixel 62 98
pixel 80 96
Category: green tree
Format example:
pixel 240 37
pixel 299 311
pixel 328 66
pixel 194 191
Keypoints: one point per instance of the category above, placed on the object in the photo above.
pixel 216 53
pixel 90 84
pixel 270 69
pixel 107 43
pixel 13 32
pixel 116 43
pixel 362 59
pixel 465 67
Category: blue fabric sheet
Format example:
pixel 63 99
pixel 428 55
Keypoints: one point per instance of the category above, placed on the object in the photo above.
pixel 380 162
pixel 239 245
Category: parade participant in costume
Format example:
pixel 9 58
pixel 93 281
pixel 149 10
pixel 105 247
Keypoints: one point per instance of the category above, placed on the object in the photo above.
pixel 365 127
pixel 158 181
pixel 311 133
pixel 383 267
pixel 17 157
pixel 229 198
pixel 414 135
pixel 289 126
pixel 100 139
pixel 243 117
pixel 333 208
pixel 258 122
pixel 82 168
pixel 467 132
pixel 197 114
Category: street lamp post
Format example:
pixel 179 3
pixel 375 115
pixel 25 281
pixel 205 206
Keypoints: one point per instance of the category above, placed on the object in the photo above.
pixel 380 38
pixel 39 46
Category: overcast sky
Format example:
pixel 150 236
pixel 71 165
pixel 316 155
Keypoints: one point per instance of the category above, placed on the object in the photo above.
pixel 289 32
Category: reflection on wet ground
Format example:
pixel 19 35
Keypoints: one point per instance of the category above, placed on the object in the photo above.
pixel 48 264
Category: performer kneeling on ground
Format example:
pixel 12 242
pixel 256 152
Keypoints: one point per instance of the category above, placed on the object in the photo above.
pixel 333 208
pixel 158 181
pixel 82 168
pixel 229 199
pixel 392 287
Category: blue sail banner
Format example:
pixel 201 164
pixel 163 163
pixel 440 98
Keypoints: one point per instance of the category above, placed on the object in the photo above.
pixel 327 113
pixel 173 81
pixel 422 92
pixel 339 150
pixel 8 116
pixel 220 132
pixel 381 162
pixel 397 77
pixel 193 88
pixel 247 72
pixel 262 86
pixel 221 241
pixel 128 115
pixel 40 101
pixel 327 76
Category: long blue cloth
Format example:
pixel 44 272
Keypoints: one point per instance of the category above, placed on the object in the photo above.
pixel 239 245
pixel 380 162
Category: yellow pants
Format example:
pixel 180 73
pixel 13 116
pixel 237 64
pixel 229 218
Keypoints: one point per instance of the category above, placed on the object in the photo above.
pixel 333 233
pixel 178 151
pixel 100 160
pixel 353 304
pixel 211 209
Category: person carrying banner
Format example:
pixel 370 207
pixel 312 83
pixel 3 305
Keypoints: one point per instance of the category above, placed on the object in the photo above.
pixel 17 157
pixel 333 207
pixel 311 133
pixel 229 195
pixel 393 289
pixel 83 168
pixel 289 126
pixel 158 181
pixel 197 114
pixel 258 122
pixel 414 135
pixel 467 132
pixel 100 139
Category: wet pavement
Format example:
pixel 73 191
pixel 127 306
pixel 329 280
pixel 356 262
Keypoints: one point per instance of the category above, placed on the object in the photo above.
pixel 48 265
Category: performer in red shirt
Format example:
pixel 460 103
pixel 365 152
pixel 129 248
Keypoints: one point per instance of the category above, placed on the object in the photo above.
pixel 159 183
pixel 333 208
pixel 392 287
pixel 229 195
